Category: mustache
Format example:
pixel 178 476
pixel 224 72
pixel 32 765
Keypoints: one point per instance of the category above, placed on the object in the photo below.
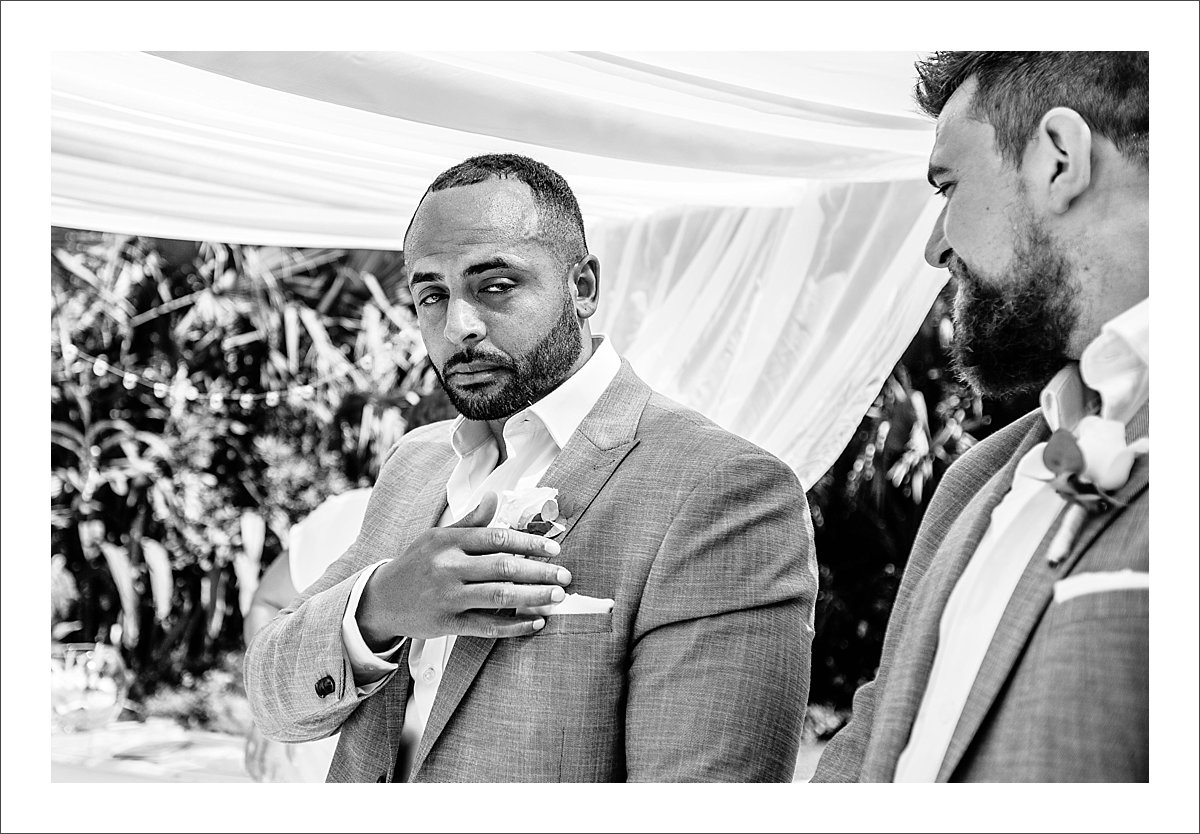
pixel 957 269
pixel 465 357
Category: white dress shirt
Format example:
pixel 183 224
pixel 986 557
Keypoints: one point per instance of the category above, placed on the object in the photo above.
pixel 1117 366
pixel 533 437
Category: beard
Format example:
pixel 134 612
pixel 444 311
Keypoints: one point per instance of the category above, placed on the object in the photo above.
pixel 1012 332
pixel 529 378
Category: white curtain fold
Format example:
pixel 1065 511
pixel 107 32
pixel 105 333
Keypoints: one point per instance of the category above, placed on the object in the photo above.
pixel 780 324
pixel 759 217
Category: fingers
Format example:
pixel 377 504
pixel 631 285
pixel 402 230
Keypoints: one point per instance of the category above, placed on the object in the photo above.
pixel 503 567
pixel 496 595
pixel 503 540
pixel 485 624
pixel 481 516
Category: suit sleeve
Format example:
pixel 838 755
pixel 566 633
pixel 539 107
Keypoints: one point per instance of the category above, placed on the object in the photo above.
pixel 842 758
pixel 298 676
pixel 719 674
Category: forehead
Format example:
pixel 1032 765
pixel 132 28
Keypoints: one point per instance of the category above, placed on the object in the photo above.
pixel 961 139
pixel 488 214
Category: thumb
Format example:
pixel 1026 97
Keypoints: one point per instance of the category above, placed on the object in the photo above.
pixel 481 516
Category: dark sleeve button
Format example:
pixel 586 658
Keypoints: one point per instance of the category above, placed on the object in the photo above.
pixel 325 686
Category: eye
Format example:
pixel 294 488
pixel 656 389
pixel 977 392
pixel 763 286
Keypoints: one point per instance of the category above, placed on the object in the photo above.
pixel 430 298
pixel 943 190
pixel 499 288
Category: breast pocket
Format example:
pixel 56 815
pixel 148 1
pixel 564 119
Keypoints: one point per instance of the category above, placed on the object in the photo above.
pixel 1110 604
pixel 577 624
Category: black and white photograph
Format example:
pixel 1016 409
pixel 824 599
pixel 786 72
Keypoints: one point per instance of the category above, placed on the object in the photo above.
pixel 541 404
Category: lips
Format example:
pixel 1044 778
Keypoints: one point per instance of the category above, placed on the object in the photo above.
pixel 473 367
pixel 474 373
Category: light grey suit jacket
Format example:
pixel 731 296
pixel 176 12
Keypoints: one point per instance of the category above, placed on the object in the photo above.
pixel 700 672
pixel 1063 691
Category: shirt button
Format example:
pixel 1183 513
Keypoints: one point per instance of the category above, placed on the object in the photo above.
pixel 429 674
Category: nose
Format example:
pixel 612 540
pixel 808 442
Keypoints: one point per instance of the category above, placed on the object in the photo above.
pixel 937 249
pixel 463 324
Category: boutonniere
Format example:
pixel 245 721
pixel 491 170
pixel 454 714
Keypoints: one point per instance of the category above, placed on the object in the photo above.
pixel 1088 465
pixel 530 510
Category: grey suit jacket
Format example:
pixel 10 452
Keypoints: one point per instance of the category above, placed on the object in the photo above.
pixel 1062 694
pixel 700 672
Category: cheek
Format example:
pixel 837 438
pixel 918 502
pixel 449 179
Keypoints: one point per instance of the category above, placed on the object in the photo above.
pixel 433 330
pixel 978 231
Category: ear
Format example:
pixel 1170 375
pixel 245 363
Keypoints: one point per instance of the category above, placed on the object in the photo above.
pixel 585 284
pixel 1061 162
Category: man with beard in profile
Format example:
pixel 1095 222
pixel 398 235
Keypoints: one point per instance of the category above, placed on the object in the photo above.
pixel 662 634
pixel 1017 649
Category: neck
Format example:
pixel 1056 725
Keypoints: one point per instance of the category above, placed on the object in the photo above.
pixel 1111 240
pixel 1111 289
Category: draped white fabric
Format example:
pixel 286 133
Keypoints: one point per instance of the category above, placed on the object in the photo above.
pixel 759 217
pixel 778 323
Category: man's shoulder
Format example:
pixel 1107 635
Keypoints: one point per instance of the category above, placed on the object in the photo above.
pixel 680 433
pixel 968 475
pixel 422 446
pixel 438 433
pixel 987 456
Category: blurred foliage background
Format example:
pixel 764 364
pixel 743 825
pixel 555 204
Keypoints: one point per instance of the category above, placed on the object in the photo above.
pixel 205 397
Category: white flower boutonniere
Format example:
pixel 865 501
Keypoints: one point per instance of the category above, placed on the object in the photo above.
pixel 1088 465
pixel 531 510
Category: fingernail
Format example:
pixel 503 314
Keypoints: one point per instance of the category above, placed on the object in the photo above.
pixel 552 547
pixel 539 624
pixel 564 576
pixel 557 594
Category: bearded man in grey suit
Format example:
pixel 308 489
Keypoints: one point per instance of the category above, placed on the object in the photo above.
pixel 1017 647
pixel 681 652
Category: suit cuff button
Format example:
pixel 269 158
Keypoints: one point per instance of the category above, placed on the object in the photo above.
pixel 325 686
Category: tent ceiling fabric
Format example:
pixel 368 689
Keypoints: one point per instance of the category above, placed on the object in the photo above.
pixel 336 148
pixel 609 106
pixel 760 216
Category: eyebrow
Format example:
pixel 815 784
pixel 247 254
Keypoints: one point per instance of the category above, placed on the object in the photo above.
pixel 936 171
pixel 472 270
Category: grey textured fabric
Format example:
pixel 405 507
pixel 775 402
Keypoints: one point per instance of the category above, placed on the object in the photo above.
pixel 699 673
pixel 1063 693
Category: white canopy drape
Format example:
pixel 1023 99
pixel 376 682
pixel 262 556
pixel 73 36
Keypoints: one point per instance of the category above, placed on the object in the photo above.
pixel 759 217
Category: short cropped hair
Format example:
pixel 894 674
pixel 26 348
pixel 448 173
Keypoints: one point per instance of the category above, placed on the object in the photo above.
pixel 1110 90
pixel 559 217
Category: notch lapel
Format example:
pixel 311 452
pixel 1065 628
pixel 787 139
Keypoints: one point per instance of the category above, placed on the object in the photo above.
pixel 580 470
pixel 917 645
pixel 1029 601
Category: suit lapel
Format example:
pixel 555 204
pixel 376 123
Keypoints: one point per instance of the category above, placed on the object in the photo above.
pixel 1028 603
pixel 595 451
pixel 579 472
pixel 918 644
pixel 395 694
pixel 423 513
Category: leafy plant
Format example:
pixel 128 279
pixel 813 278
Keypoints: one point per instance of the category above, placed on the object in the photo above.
pixel 204 398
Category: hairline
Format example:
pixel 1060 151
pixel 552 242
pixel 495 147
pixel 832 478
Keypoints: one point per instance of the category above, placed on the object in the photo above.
pixel 546 216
